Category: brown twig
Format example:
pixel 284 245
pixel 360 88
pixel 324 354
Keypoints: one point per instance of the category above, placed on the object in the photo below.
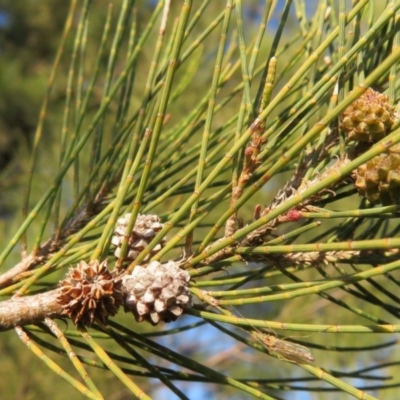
pixel 20 311
pixel 52 245
pixel 9 277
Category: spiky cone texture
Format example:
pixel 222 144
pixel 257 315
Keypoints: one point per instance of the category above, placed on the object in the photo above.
pixel 158 292
pixel 90 291
pixel 369 118
pixel 146 227
pixel 378 180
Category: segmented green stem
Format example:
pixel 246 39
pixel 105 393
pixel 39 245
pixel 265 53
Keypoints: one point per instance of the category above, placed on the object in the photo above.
pixel 72 356
pixel 53 366
pixel 137 392
pixel 42 116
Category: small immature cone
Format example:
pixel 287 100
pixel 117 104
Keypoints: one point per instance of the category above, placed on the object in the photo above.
pixel 369 118
pixel 378 180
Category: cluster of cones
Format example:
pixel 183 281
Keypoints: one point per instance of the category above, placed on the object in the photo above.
pixel 155 292
pixel 366 121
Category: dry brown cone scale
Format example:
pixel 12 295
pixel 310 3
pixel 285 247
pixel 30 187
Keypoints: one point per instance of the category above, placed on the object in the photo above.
pixel 89 292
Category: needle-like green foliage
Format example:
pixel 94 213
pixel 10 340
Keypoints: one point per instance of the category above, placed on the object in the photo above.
pixel 227 120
